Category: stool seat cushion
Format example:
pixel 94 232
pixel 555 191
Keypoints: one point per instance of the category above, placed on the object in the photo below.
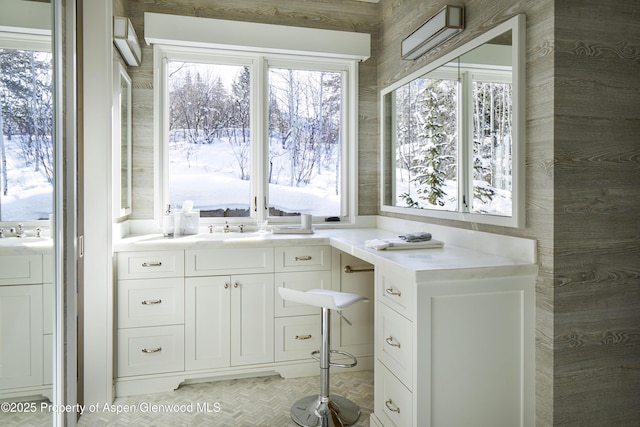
pixel 333 300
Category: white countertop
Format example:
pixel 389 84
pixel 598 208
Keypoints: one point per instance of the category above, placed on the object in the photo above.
pixel 25 246
pixel 425 264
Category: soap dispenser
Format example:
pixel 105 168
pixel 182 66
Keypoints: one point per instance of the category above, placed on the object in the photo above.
pixel 168 223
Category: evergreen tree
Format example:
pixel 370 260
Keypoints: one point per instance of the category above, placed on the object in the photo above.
pixel 434 158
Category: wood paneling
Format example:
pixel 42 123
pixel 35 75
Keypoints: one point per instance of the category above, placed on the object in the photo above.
pixel 597 231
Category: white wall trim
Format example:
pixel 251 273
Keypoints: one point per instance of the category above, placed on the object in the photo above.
pixel 98 245
pixel 251 36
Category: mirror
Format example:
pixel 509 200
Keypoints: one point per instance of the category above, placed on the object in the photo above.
pixel 122 140
pixel 28 177
pixel 452 133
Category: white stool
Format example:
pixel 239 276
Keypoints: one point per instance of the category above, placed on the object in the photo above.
pixel 324 410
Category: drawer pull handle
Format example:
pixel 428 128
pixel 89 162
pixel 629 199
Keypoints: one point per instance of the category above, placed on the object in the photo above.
pixel 152 264
pixel 391 343
pixel 303 337
pixel 303 258
pixel 152 350
pixel 152 302
pixel 395 408
pixel 390 291
pixel 226 285
pixel 235 285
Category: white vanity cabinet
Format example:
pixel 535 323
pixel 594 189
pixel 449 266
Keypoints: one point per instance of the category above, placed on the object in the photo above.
pixel 25 326
pixel 229 321
pixel 21 332
pixel 230 294
pixel 454 348
pixel 205 312
pixel 150 313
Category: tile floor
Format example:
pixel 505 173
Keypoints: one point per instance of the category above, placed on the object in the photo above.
pixel 249 402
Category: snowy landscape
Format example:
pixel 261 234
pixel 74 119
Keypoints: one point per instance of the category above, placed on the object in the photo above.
pixel 29 192
pixel 209 177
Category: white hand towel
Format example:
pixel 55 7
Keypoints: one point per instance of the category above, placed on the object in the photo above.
pixel 384 244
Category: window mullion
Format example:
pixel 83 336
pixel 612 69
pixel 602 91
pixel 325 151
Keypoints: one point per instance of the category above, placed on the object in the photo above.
pixel 465 144
pixel 259 140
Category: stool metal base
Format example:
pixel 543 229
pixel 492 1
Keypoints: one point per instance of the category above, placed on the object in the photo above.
pixel 314 411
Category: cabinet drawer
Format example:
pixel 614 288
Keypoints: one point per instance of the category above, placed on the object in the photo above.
pixel 143 265
pixel 301 281
pixel 396 289
pixel 150 302
pixel 228 261
pixel 150 350
pixel 303 258
pixel 296 337
pixel 393 401
pixel 20 269
pixel 394 343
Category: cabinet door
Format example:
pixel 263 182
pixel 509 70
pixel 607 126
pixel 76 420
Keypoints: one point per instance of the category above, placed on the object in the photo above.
pixel 207 317
pixel 20 336
pixel 20 269
pixel 252 329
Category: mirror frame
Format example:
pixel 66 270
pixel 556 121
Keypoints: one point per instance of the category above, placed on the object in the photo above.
pixel 517 26
pixel 122 140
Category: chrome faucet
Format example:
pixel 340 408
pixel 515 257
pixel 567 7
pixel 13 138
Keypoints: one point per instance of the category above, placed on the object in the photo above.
pixel 19 232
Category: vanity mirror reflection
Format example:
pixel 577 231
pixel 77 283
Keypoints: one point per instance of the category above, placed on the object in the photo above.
pixel 28 174
pixel 453 133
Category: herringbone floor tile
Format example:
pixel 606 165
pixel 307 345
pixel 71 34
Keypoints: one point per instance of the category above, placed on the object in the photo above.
pixel 249 402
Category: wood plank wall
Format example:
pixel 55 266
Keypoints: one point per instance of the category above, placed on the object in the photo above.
pixel 596 219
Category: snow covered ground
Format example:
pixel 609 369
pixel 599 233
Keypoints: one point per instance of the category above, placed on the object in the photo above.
pixel 211 178
pixel 29 193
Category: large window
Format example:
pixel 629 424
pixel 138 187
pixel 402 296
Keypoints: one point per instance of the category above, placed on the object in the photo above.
pixel 26 157
pixel 254 136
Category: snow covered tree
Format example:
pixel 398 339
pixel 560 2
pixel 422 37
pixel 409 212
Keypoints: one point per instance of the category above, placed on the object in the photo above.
pixel 433 150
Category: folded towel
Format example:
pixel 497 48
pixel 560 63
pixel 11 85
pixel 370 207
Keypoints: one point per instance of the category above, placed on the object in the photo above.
pixel 420 236
pixel 383 244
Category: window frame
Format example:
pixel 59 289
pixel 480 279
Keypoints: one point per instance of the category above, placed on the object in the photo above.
pixel 259 63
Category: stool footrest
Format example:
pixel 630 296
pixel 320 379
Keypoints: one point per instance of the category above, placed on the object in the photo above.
pixel 316 356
